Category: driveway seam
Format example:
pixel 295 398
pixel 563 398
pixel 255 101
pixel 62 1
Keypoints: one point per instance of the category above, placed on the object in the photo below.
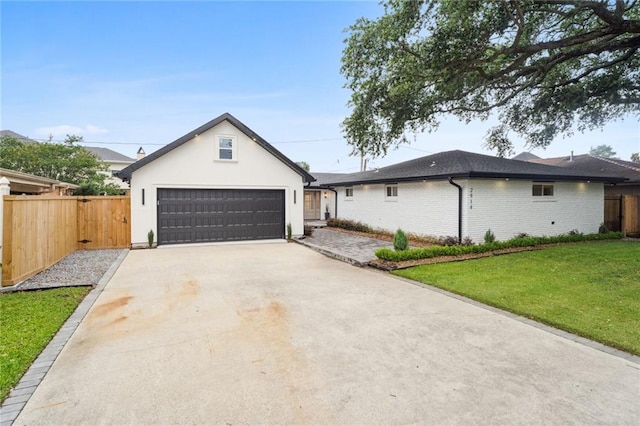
pixel 524 320
pixel 20 394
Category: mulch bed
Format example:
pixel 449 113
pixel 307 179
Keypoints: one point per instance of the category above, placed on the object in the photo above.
pixel 388 265
pixel 381 236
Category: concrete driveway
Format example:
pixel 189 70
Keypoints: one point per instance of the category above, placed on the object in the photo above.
pixel 277 333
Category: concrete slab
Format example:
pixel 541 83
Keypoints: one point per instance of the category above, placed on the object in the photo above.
pixel 281 334
pixel 346 247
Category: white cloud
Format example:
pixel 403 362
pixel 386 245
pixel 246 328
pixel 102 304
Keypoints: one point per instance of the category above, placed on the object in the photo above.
pixel 61 131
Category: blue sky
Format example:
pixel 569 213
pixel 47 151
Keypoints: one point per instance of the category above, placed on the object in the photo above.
pixel 131 74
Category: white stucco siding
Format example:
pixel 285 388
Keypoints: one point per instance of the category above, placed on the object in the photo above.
pixel 508 208
pixel 429 208
pixel 194 165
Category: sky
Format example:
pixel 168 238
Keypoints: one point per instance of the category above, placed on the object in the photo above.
pixel 127 74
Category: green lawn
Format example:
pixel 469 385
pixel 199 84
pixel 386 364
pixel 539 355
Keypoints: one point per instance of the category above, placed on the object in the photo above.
pixel 28 321
pixel 591 289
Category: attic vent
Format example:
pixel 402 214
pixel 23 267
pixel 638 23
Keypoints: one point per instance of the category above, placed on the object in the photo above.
pixel 433 164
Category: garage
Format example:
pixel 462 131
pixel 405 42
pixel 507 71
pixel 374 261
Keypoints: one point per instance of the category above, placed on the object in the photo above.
pixel 187 215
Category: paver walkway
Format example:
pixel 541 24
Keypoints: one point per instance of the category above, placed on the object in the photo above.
pixel 346 247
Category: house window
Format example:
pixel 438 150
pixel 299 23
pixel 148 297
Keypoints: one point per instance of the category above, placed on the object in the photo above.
pixel 391 191
pixel 226 149
pixel 348 192
pixel 543 190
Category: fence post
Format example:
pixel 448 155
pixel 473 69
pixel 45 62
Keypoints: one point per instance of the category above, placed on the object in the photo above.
pixel 4 190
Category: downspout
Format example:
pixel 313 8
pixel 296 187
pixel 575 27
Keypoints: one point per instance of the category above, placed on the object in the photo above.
pixel 459 209
pixel 335 201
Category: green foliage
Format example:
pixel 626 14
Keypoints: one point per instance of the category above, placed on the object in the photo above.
pixel 289 231
pixel 602 229
pixel 29 321
pixel 545 68
pixel 304 165
pixel 605 151
pixel 67 162
pixel 595 299
pixel 489 237
pixel 456 250
pixel 349 225
pixel 150 236
pixel 635 157
pixel 400 241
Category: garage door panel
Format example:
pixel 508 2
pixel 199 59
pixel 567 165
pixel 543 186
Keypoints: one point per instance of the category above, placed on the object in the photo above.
pixel 209 215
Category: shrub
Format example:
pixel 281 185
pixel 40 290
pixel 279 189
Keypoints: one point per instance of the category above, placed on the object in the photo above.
pixel 308 230
pixel 522 235
pixel 150 236
pixel 448 240
pixel 349 225
pixel 289 231
pixel 489 237
pixel 400 241
pixel 603 229
pixel 574 232
pixel 467 241
pixel 436 251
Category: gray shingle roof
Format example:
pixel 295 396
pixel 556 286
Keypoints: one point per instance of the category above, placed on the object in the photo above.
pixel 127 171
pixel 108 155
pixel 462 164
pixel 17 136
pixel 586 163
pixel 525 156
pixel 323 178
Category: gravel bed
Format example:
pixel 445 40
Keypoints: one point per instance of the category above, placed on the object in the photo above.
pixel 82 267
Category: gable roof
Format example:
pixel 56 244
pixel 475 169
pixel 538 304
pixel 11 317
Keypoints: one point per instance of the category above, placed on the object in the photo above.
pixel 109 155
pixel 587 163
pixel 127 171
pixel 462 164
pixel 16 136
pixel 525 156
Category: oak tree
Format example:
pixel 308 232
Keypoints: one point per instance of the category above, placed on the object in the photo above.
pixel 544 67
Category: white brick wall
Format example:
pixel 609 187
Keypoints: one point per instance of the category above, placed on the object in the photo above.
pixel 505 207
pixel 429 208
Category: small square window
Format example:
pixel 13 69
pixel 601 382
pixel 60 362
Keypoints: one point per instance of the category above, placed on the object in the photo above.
pixel 226 149
pixel 348 192
pixel 391 191
pixel 543 190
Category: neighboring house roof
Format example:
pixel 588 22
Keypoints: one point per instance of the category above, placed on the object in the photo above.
pixel 127 171
pixel 587 163
pixel 16 136
pixel 33 180
pixel 324 178
pixel 462 164
pixel 525 156
pixel 109 155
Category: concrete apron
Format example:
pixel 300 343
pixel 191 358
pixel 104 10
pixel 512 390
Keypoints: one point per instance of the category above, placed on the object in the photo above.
pixel 281 334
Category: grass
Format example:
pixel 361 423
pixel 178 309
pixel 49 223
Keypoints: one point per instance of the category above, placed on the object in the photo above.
pixel 28 321
pixel 591 289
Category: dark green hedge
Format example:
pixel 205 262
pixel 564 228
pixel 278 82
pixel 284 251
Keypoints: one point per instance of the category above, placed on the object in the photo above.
pixel 437 251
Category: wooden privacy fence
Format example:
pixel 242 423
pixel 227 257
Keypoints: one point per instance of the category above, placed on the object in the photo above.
pixel 39 231
pixel 621 213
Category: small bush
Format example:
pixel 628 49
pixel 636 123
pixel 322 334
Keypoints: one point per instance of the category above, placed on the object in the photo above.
pixel 289 231
pixel 603 229
pixel 574 232
pixel 448 240
pixel 489 236
pixel 400 241
pixel 150 236
pixel 522 235
pixel 308 231
pixel 467 241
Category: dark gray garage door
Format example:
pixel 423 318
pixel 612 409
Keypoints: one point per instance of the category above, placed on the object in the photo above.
pixel 206 215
